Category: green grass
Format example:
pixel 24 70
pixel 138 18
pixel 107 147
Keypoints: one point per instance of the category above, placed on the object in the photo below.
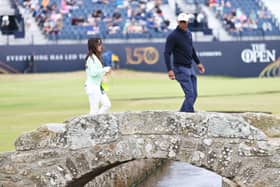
pixel 29 101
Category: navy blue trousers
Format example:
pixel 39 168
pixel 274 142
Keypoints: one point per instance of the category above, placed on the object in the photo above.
pixel 188 81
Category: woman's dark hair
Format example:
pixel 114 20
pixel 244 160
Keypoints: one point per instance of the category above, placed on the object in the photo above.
pixel 92 48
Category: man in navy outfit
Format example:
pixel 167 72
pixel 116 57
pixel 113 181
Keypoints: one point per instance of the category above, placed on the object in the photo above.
pixel 179 43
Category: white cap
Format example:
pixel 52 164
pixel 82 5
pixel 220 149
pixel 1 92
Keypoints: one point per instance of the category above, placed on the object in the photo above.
pixel 5 18
pixel 183 17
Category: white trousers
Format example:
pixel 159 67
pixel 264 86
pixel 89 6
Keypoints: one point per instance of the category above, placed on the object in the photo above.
pixel 96 97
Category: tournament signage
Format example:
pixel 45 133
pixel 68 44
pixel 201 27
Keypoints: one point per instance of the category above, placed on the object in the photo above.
pixel 43 58
pixel 239 59
pixel 138 55
pixel 258 54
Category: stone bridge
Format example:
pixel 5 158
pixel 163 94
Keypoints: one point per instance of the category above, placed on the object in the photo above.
pixel 74 152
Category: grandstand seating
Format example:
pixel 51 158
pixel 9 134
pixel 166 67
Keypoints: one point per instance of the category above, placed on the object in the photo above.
pixel 198 22
pixel 245 18
pixel 80 19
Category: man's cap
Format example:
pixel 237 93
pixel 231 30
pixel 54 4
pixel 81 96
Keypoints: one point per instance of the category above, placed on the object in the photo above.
pixel 183 17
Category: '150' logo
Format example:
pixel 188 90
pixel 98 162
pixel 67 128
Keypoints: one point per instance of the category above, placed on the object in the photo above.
pixel 148 55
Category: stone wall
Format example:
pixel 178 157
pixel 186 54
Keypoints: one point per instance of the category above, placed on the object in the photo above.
pixel 81 148
pixel 128 174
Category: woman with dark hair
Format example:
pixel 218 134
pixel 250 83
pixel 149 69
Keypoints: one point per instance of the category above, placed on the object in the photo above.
pixel 95 72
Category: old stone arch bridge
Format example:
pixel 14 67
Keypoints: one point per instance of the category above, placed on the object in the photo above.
pixel 72 153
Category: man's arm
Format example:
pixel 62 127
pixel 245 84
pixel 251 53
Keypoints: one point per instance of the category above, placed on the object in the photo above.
pixel 169 45
pixel 194 56
pixel 197 61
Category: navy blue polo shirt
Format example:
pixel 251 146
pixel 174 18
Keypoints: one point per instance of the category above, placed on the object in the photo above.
pixel 179 43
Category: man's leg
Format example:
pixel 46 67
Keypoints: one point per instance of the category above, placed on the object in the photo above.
pixel 188 88
pixel 194 83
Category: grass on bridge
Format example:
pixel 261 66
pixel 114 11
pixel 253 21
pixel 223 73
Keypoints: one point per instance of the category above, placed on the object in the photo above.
pixel 31 100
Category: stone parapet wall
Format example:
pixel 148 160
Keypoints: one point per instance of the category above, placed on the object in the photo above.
pixel 76 151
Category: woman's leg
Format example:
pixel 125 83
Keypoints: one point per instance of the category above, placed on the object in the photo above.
pixel 105 103
pixel 93 103
pixel 94 96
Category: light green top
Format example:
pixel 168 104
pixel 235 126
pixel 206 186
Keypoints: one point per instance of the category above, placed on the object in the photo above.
pixel 94 71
